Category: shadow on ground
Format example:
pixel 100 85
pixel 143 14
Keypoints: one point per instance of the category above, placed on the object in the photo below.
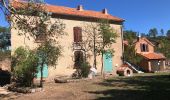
pixel 135 88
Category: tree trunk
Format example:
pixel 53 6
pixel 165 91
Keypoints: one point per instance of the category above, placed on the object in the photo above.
pixel 41 80
pixel 94 49
pixel 102 69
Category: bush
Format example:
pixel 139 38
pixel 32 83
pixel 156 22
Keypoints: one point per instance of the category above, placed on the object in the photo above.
pixel 24 63
pixel 85 69
pixel 82 71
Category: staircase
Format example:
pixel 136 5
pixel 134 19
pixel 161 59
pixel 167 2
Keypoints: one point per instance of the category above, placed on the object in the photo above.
pixel 7 95
pixel 4 91
pixel 134 68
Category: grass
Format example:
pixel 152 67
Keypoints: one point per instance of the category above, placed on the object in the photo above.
pixel 140 87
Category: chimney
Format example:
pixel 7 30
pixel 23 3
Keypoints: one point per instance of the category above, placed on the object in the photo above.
pixel 80 8
pixel 139 37
pixel 104 11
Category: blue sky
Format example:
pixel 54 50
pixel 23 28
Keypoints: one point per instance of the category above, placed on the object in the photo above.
pixel 140 15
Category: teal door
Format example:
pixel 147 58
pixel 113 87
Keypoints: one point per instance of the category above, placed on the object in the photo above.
pixel 107 62
pixel 45 71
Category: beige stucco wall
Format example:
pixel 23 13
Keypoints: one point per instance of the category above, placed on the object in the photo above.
pixel 66 61
pixel 138 48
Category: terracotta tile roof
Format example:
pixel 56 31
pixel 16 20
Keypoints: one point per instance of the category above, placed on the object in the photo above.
pixel 74 12
pixel 125 65
pixel 123 68
pixel 152 56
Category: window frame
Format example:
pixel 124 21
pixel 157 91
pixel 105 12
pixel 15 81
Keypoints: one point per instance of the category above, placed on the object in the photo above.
pixel 77 34
pixel 144 47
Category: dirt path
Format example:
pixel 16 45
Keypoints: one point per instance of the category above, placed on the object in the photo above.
pixel 139 87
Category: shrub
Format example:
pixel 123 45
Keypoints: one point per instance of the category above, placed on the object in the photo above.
pixel 85 69
pixel 24 63
pixel 82 71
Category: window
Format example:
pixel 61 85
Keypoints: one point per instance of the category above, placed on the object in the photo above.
pixel 144 47
pixel 77 34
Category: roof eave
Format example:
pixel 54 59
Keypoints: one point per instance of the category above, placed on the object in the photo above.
pixel 112 20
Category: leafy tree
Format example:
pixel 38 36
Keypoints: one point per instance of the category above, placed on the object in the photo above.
pixel 143 35
pixel 153 32
pixel 4 43
pixel 108 36
pixel 99 37
pixel 33 21
pixel 168 34
pixel 92 35
pixel 164 46
pixel 43 29
pixel 162 32
pixel 4 38
pixel 4 29
pixel 48 54
pixel 24 66
pixel 129 35
pixel 130 54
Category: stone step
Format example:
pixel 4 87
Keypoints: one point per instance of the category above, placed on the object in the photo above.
pixel 4 91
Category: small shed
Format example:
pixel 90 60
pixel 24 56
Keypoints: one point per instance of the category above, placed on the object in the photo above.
pixel 124 70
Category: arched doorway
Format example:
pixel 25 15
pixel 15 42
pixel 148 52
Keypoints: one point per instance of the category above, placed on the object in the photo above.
pixel 78 59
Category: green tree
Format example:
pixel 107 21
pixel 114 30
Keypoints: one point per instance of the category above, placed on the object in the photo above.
pixel 24 66
pixel 32 20
pixel 130 54
pixel 3 29
pixel 168 34
pixel 4 38
pixel 99 37
pixel 164 46
pixel 108 36
pixel 91 41
pixel 129 35
pixel 48 54
pixel 143 34
pixel 153 32
pixel 162 32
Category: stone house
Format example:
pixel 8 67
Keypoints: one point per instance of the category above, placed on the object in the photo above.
pixel 73 49
pixel 151 61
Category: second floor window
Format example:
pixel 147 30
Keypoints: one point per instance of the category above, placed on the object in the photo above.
pixel 77 34
pixel 144 47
